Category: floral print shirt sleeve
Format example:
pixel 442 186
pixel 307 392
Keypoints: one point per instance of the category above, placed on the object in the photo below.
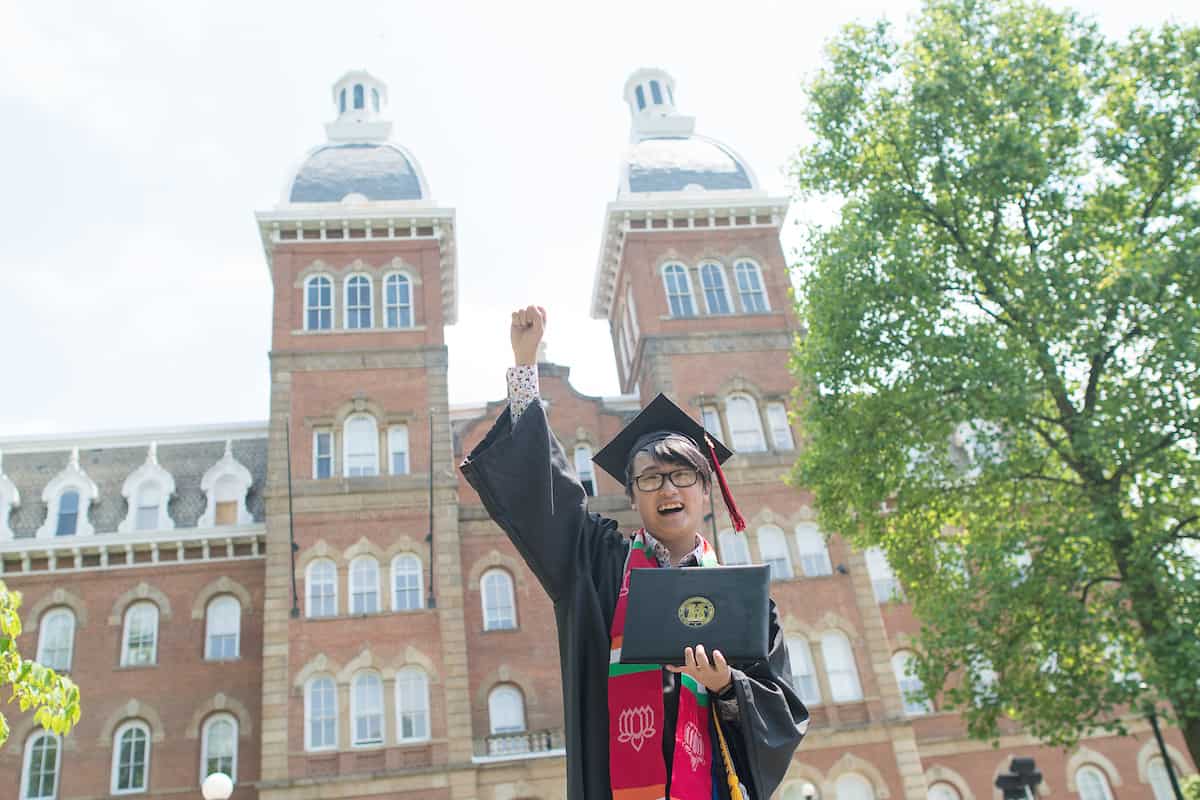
pixel 522 389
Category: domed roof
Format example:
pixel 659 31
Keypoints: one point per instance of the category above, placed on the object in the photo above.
pixel 679 163
pixel 374 171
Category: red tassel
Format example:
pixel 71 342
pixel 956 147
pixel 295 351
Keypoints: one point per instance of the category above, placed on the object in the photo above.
pixel 735 516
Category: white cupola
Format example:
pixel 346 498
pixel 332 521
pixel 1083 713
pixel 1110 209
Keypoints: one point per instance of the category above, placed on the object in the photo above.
pixel 650 94
pixel 360 100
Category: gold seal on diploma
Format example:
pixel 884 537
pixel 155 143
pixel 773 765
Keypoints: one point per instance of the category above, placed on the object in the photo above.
pixel 696 612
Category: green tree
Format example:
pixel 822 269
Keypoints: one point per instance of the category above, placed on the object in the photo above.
pixel 1000 374
pixel 54 698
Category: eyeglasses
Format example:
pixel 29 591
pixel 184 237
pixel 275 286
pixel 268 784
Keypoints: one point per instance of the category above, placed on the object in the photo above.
pixel 653 481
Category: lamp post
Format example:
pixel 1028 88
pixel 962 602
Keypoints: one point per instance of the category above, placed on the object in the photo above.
pixel 1020 781
pixel 217 786
pixel 1152 716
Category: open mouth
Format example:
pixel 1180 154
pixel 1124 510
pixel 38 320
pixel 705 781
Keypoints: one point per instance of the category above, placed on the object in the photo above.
pixel 670 508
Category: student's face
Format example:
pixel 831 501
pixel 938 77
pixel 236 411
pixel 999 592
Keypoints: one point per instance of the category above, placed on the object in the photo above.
pixel 672 514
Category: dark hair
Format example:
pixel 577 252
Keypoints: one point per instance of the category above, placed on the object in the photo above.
pixel 667 447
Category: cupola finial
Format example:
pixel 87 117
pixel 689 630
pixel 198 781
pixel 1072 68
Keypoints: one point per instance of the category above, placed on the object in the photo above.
pixel 650 93
pixel 360 100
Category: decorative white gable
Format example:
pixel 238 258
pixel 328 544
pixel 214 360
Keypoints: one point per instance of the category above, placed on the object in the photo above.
pixel 10 498
pixel 225 481
pixel 72 477
pixel 148 486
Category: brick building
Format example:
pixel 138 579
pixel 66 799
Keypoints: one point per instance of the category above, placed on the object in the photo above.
pixel 372 660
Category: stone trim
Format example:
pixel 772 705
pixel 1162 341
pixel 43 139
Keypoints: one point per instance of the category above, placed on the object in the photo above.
pixel 220 703
pixel 850 763
pixel 1150 751
pixel 491 560
pixel 363 547
pixel 1085 756
pixel 20 732
pixel 59 597
pixel 143 591
pixel 319 664
pixel 939 774
pixel 134 709
pixel 320 549
pixel 506 675
pixel 222 585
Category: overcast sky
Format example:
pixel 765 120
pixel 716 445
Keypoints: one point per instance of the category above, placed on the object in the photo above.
pixel 138 138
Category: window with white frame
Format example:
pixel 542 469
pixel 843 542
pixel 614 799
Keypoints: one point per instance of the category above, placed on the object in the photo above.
pixel 911 687
pixel 627 327
pixel 412 705
pixel 840 667
pixel 852 786
pixel 679 290
pixel 359 98
pixel 397 301
pixel 358 302
pixel 149 496
pixel 734 550
pixel 318 303
pixel 883 579
pixel 364 585
pixel 68 513
pixel 623 349
pixel 222 628
pixel 366 709
pixel 781 429
pixel 813 552
pixel 942 791
pixel 140 642
pixel 41 766
pixel 641 98
pixel 226 485
pixel 68 496
pixel 131 758
pixel 406 583
pixel 631 312
pixel 361 442
pixel 710 418
pixel 716 295
pixel 499 610
pixel 320 714
pixel 1160 781
pixel 1092 784
pixel 745 425
pixel 398 449
pixel 320 588
pixel 750 287
pixel 227 493
pixel 322 454
pixel 56 639
pixel 804 674
pixel 219 743
pixel 656 93
pixel 772 546
pixel 506 710
pixel 583 468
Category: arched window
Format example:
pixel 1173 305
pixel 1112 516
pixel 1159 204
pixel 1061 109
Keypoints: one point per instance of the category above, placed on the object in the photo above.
pixel 398 449
pixel 943 791
pixel 342 101
pixel 804 674
pixel 358 96
pixel 506 710
pixel 734 550
pixel 140 642
pixel 716 296
pixel 149 497
pixel 840 667
pixel 412 705
pixel 853 786
pixel 883 580
pixel 397 301
pixel 320 587
pixel 711 419
pixel 227 493
pixel 223 626
pixel 41 766
pixel 361 441
pixel 641 98
pixel 750 287
pixel 1092 784
pixel 1160 781
pixel 745 425
pixel 406 583
pixel 358 302
pixel 910 685
pixel 583 468
pixel 679 290
pixel 68 513
pixel 366 708
pixel 781 429
pixel 320 713
pixel 499 612
pixel 655 93
pixel 131 758
pixel 364 585
pixel 814 553
pixel 318 299
pixel 375 99
pixel 56 639
pixel 219 743
pixel 772 545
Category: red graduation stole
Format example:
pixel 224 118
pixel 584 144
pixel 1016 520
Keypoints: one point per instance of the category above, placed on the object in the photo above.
pixel 635 712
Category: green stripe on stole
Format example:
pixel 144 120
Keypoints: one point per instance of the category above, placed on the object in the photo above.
pixel 628 669
pixel 696 688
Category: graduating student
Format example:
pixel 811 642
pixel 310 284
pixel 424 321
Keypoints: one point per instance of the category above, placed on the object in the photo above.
pixel 633 734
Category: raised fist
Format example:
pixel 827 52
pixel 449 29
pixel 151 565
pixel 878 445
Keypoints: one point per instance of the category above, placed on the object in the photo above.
pixel 528 327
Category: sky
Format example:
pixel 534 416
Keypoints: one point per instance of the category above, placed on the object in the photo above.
pixel 137 139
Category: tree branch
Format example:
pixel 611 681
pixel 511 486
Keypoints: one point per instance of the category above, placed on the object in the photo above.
pixel 1087 587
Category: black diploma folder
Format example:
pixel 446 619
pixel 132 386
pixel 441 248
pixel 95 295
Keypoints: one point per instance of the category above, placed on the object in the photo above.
pixel 722 608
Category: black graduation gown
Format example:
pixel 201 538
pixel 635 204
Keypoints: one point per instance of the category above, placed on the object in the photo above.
pixel 522 475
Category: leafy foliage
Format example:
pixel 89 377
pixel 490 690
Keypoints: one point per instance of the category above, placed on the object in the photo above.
pixel 1000 376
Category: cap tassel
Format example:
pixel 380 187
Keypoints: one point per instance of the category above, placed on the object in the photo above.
pixel 735 516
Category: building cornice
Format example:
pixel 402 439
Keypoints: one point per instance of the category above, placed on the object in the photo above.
pixel 133 437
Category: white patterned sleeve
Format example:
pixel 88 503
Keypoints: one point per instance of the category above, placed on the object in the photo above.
pixel 522 389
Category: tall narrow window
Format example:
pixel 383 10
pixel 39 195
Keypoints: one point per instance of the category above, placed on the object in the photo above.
pixel 583 468
pixel 219 747
pixel 750 287
pixel 397 300
pixel 781 429
pixel 367 702
pixel 641 98
pixel 41 767
pixel 362 446
pixel 841 668
pixel 56 639
pixel 814 554
pixel 342 101
pixel 320 707
pixel 734 550
pixel 364 585
pixel 772 545
pixel 358 302
pixel 320 587
pixel 226 494
pixel 745 425
pixel 148 498
pixel 412 705
pixel 716 296
pixel 140 645
pixel 68 513
pixel 358 96
pixel 323 454
pixel 398 449
pixel 711 420
pixel 804 674
pixel 655 93
pixel 679 290
pixel 911 687
pixel 318 304
pixel 1160 781
pixel 406 583
pixel 631 312
pixel 1092 784
pixel 131 758
pixel 375 99
pixel 499 612
pixel 223 626
pixel 883 580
